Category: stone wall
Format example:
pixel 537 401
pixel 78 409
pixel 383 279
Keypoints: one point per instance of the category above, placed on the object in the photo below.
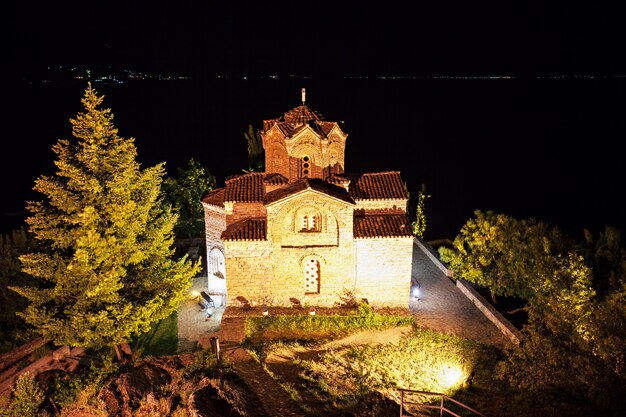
pixel 214 225
pixel 376 269
pixel 489 311
pixel 384 270
pixel 385 205
pixel 268 274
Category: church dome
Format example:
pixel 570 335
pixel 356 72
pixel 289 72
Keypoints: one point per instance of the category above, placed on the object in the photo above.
pixel 301 115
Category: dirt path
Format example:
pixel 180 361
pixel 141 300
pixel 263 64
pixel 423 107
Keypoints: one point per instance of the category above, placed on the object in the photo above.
pixel 275 401
pixel 282 362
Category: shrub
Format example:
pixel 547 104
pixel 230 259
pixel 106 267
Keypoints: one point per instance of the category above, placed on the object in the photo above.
pixel 26 399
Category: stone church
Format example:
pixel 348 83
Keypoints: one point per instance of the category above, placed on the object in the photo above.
pixel 305 230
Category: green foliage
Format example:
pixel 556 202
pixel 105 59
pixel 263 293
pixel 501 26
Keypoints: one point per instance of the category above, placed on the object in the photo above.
pixel 185 193
pixel 105 266
pixel 256 155
pixel 13 329
pixel 512 257
pixel 27 397
pixel 419 224
pixel 425 360
pixel 205 364
pixel 307 327
pixel 64 391
pixel 607 257
pixel 574 341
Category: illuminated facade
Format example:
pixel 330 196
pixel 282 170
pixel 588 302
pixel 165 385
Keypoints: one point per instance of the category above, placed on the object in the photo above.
pixel 305 229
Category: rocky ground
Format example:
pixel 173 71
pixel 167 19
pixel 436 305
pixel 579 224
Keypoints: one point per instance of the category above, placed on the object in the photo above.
pixel 175 386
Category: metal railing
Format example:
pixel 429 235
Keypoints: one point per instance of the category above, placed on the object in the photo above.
pixel 441 407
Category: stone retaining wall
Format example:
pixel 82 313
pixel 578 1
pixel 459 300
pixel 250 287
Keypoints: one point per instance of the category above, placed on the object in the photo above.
pixel 489 311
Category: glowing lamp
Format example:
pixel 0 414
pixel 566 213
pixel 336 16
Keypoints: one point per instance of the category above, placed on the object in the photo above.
pixel 451 375
pixel 416 292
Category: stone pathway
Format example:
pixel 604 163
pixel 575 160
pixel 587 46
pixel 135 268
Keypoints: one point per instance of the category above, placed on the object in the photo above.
pixel 192 323
pixel 442 307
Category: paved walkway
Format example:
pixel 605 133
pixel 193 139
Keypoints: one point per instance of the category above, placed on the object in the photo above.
pixel 192 323
pixel 444 308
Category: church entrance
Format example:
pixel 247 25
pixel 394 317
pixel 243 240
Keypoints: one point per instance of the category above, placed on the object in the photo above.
pixel 216 274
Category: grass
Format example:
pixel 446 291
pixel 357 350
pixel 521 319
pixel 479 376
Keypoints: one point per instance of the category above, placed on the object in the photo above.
pixel 425 360
pixel 162 339
pixel 320 327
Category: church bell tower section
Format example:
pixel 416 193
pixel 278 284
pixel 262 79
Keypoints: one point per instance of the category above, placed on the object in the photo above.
pixel 302 144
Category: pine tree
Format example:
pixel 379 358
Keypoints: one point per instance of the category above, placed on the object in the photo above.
pixel 107 268
pixel 255 150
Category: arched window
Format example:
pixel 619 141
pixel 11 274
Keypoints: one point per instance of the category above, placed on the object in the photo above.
pixel 216 264
pixel 306 166
pixel 310 222
pixel 311 276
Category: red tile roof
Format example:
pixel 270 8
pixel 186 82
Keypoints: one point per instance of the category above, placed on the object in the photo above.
pixel 285 128
pixel 297 119
pixel 246 188
pixel 301 114
pixel 248 229
pixel 382 225
pixel 376 186
pixel 275 179
pixel 215 197
pixel 309 183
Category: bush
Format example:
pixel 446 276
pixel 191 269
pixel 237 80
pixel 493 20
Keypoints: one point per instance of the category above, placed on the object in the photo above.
pixel 26 399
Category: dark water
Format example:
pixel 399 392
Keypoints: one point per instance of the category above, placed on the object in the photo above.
pixel 550 149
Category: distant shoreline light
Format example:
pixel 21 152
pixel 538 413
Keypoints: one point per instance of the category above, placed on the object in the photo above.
pixel 108 75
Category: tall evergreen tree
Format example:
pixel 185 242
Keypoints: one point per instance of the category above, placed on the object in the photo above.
pixel 107 267
pixel 256 153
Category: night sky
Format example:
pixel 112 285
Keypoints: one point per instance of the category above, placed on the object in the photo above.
pixel 557 149
pixel 323 39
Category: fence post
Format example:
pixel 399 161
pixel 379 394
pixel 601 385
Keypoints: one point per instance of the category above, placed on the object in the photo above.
pixel 215 347
pixel 441 407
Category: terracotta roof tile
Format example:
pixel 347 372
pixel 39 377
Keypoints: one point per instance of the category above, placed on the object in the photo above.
pixel 301 114
pixel 309 183
pixel 215 197
pixel 244 188
pixel 382 225
pixel 275 179
pixel 248 229
pixel 285 128
pixel 326 127
pixel 376 186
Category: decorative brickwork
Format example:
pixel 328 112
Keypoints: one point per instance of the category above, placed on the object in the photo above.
pixel 305 229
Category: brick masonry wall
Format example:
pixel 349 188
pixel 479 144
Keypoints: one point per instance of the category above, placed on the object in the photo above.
pixel 276 274
pixel 242 211
pixel 272 271
pixel 214 225
pixel 384 270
